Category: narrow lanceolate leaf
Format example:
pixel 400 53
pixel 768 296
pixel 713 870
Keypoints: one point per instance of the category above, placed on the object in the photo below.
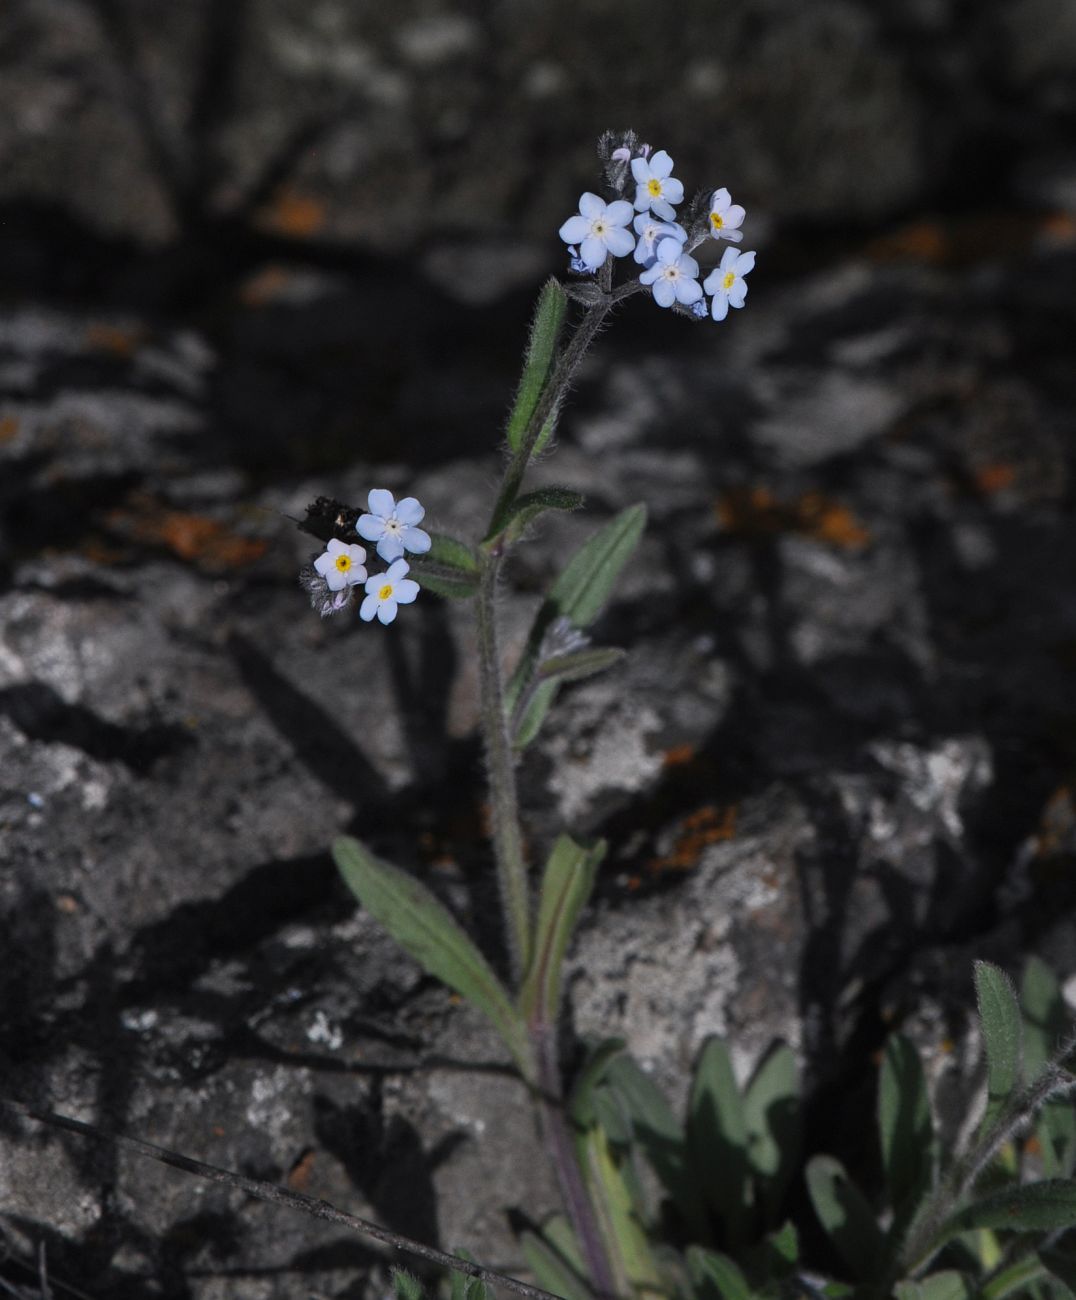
pixel 1045 1026
pixel 717 1137
pixel 551 1270
pixel 449 568
pixel 578 595
pixel 1033 1208
pixel 660 1137
pixel 716 1277
pixel 581 1100
pixel 566 885
pixel 999 1016
pixel 406 1286
pixel 577 664
pixel 525 509
pixel 905 1125
pixel 541 354
pixel 428 932
pixel 947 1285
pixel 846 1217
pixel 773 1120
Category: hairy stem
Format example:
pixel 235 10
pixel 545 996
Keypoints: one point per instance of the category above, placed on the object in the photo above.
pixel 504 804
pixel 560 1145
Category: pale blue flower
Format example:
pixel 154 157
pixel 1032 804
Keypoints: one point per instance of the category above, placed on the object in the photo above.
pixel 651 232
pixel 598 229
pixel 726 282
pixel 656 189
pixel 726 217
pixel 392 525
pixel 385 592
pixel 674 275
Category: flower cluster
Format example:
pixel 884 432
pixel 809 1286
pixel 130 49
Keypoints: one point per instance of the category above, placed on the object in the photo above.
pixel 660 244
pixel 334 578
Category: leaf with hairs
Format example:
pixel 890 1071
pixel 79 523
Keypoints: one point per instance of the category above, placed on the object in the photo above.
pixel 581 1100
pixel 1000 1020
pixel 526 508
pixel 717 1137
pixel 716 1277
pixel 906 1127
pixel 773 1120
pixel 1034 1207
pixel 846 1217
pixel 541 355
pixel 428 932
pixel 947 1285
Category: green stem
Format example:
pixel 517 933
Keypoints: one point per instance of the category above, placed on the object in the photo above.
pixel 507 835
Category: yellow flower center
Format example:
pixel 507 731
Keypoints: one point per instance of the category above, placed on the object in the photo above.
pixel 716 220
pixel 343 561
pixel 729 280
pixel 385 592
pixel 653 187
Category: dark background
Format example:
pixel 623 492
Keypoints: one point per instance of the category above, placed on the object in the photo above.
pixel 252 251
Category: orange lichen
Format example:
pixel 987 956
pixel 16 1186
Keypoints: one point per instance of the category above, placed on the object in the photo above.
pixel 205 542
pixel 679 755
pixel 298 216
pixel 9 427
pixel 299 1174
pixel 264 286
pixel 1056 824
pixel 118 340
pixel 994 478
pixel 708 825
pixel 756 512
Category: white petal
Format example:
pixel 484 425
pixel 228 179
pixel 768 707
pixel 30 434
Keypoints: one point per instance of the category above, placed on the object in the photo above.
pixel 673 190
pixel 669 251
pixel 641 222
pixel 324 563
pixel 370 527
pixel 688 291
pixel 335 546
pixel 409 511
pixel 593 252
pixel 640 169
pixel 719 308
pixel 661 164
pixel 735 215
pixel 643 256
pixel 620 241
pixel 355 575
pixel 619 213
pixel 688 266
pixel 712 283
pixel 664 293
pixel 381 502
pixel 416 540
pixel 650 274
pixel 720 200
pixel 357 553
pixel 728 257
pixel 390 548
pixel 737 294
pixel 374 583
pixel 642 199
pixel 386 611
pixel 733 236
pixel 744 262
pixel 676 231
pixel 368 608
pixel 591 206
pixel 335 580
pixel 406 591
pixel 574 229
pixel 664 210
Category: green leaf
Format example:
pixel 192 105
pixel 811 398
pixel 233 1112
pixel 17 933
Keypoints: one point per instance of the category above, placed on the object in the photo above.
pixel 783 1249
pixel 449 568
pixel 999 1016
pixel 578 595
pixel 846 1217
pixel 578 664
pixel 566 885
pixel 717 1137
pixel 551 1270
pixel 428 932
pixel 1045 1025
pixel 581 1099
pixel 948 1285
pixel 525 509
pixel 716 1277
pixel 773 1121
pixel 406 1286
pixel 905 1126
pixel 659 1135
pixel 541 353
pixel 1043 1206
